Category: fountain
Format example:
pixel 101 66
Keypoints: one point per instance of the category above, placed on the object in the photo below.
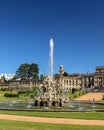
pixel 50 90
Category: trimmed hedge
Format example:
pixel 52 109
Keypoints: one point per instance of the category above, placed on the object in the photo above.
pixel 23 92
pixel 5 89
pixel 11 95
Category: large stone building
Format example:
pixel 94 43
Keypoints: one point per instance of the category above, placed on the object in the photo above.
pixel 89 80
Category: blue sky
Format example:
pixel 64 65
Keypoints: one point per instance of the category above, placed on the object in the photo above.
pixel 76 26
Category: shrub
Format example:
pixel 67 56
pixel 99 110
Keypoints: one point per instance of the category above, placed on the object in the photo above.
pixel 10 89
pixel 75 96
pixel 11 95
pixel 103 97
pixel 32 96
pixel 74 90
pixel 23 92
pixel 6 89
pixel 83 92
pixel 86 91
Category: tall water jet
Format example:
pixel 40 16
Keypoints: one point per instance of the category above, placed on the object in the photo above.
pixel 51 44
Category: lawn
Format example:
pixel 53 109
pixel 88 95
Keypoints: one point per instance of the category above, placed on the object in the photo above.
pixel 21 125
pixel 21 96
pixel 77 93
pixel 75 115
pixel 69 94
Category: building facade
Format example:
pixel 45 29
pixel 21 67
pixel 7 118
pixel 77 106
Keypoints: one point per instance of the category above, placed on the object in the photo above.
pixel 89 80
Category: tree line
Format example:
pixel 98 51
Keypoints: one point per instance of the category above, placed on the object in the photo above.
pixel 28 71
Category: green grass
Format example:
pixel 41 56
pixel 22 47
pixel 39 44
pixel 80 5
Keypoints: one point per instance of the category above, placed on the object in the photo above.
pixel 22 96
pixel 69 94
pixel 76 94
pixel 102 101
pixel 75 115
pixel 21 125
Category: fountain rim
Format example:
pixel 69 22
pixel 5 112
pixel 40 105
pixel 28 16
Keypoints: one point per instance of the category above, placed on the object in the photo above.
pixel 51 110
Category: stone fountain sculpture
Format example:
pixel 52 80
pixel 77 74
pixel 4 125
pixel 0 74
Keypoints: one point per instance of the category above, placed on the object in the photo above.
pixel 50 93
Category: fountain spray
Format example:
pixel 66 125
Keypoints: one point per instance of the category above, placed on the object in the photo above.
pixel 51 57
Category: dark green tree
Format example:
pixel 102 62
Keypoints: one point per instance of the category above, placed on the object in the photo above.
pixel 56 75
pixel 28 71
pixel 34 70
pixel 41 77
pixel 65 74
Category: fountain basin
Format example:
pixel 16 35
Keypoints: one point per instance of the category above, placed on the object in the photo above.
pixel 72 106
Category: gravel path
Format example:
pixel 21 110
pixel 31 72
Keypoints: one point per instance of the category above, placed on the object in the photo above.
pixel 91 96
pixel 52 120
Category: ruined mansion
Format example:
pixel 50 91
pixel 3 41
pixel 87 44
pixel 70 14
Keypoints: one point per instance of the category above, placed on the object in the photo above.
pixel 88 80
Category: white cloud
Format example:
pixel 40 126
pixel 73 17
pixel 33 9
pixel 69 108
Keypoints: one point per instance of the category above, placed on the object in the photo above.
pixel 7 76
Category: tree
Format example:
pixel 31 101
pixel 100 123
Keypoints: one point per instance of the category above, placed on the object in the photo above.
pixel 27 71
pixel 56 75
pixel 65 74
pixel 41 77
pixel 34 70
pixel 3 79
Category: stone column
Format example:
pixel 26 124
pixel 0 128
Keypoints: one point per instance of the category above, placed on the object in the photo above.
pixel 102 81
pixel 95 81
